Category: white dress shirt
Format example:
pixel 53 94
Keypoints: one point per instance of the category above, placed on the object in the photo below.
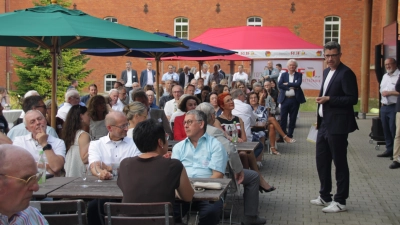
pixel 241 76
pixel 128 78
pixel 205 76
pixel 327 80
pixel 244 112
pixel 119 106
pixel 388 83
pixel 150 80
pixel 33 147
pixel 170 107
pixel 170 76
pixel 63 111
pixel 109 151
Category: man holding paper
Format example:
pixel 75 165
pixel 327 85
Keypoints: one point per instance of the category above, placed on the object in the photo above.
pixel 203 157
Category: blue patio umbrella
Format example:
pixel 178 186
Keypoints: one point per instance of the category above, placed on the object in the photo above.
pixel 192 49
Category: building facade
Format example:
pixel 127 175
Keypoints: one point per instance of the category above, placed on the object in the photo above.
pixel 315 21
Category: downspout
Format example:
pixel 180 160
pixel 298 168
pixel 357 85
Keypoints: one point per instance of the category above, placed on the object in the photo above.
pixel 8 50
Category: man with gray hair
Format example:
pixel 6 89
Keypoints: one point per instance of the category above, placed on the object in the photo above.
pixel 243 111
pixel 17 186
pixel 37 140
pixel 270 72
pixel 249 178
pixel 71 98
pixel 185 77
pixel 114 101
pixel 204 73
pixel 199 147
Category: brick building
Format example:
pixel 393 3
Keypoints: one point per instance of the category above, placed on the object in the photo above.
pixel 308 19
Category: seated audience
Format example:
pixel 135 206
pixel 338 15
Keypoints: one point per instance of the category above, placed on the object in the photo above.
pixel 97 109
pixel 71 98
pixel 213 100
pixel 141 186
pixel 3 122
pixel 37 140
pixel 201 147
pixel 204 93
pixel 151 97
pixel 15 194
pixel 172 105
pixel 189 89
pixel 76 137
pixel 92 92
pixel 114 101
pixel 178 112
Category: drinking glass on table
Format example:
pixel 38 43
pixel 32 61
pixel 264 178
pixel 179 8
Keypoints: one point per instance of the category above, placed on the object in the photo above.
pixel 84 171
pixel 115 169
pixel 100 163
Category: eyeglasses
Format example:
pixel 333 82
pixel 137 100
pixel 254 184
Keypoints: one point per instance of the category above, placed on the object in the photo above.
pixel 122 127
pixel 189 122
pixel 32 179
pixel 331 56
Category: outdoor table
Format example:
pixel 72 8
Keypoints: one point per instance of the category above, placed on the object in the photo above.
pixel 108 189
pixel 52 184
pixel 246 146
pixel 11 116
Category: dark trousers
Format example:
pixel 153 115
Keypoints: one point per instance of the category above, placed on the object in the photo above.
pixel 289 106
pixel 332 147
pixel 209 213
pixel 388 118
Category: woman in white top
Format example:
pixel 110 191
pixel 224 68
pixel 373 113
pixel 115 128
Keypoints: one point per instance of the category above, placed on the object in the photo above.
pixel 4 97
pixel 135 112
pixel 76 137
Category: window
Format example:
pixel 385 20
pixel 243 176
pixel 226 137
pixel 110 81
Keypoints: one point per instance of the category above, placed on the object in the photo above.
pixel 111 19
pixel 254 21
pixel 109 81
pixel 181 28
pixel 332 29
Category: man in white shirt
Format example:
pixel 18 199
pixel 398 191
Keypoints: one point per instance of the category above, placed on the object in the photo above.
pixel 240 75
pixel 115 103
pixel 37 140
pixel 31 103
pixel 388 108
pixel 279 68
pixel 170 75
pixel 129 76
pixel 71 98
pixel 204 73
pixel 172 105
pixel 243 111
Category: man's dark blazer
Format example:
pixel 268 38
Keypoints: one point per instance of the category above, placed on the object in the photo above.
pixel 182 78
pixel 125 78
pixel 223 73
pixel 143 77
pixel 159 116
pixel 298 92
pixel 342 90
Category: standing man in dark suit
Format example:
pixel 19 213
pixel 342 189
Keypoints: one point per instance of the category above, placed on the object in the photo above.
pixel 185 77
pixel 335 120
pixel 220 70
pixel 290 96
pixel 129 76
pixel 147 76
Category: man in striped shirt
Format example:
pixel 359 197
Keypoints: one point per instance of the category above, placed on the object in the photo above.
pixel 18 180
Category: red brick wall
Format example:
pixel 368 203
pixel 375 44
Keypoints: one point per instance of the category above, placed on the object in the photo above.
pixel 308 17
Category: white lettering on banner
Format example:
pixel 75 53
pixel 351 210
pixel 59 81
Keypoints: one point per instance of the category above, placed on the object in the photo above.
pixel 282 53
pixel 311 70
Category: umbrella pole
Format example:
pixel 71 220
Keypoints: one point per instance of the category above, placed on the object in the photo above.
pixel 200 64
pixel 157 79
pixel 53 86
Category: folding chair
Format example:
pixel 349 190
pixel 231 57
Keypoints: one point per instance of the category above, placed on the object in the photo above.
pixel 139 213
pixel 69 212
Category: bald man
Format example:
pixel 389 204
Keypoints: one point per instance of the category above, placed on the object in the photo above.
pixel 18 180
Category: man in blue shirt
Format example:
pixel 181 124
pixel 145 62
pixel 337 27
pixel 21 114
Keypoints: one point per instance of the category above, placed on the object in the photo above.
pixel 203 157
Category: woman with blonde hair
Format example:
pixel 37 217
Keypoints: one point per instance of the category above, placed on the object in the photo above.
pixel 135 112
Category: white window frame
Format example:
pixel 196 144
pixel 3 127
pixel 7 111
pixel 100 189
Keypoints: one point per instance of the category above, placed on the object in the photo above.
pixel 331 23
pixel 255 23
pixel 181 24
pixel 111 18
pixel 109 77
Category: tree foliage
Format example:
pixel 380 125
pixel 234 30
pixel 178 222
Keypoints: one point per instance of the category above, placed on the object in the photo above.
pixel 35 68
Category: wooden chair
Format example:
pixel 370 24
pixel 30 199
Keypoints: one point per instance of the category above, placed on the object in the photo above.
pixel 139 213
pixel 69 212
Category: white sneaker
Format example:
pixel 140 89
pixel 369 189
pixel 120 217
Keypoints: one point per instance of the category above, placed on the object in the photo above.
pixel 334 207
pixel 319 201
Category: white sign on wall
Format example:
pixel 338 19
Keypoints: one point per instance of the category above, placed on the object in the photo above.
pixel 311 70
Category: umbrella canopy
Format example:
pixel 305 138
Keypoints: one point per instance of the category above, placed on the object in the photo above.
pixel 233 57
pixel 54 27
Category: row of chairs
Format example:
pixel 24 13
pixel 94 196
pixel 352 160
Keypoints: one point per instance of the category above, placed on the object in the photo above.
pixel 73 212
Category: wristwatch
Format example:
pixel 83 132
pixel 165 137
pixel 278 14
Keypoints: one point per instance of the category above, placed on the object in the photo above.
pixel 47 147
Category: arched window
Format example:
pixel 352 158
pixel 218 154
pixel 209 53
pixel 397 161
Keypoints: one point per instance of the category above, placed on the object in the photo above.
pixel 181 28
pixel 254 21
pixel 111 19
pixel 109 80
pixel 332 29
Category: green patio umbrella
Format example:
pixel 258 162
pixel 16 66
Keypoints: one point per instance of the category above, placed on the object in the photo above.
pixel 54 27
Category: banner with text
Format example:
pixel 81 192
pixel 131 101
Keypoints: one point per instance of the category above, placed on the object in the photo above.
pixel 281 53
pixel 311 70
